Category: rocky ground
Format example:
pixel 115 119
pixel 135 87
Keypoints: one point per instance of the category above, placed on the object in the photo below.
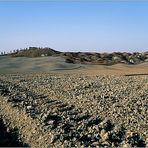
pixel 78 110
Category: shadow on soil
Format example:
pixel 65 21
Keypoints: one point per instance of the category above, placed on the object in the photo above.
pixel 9 138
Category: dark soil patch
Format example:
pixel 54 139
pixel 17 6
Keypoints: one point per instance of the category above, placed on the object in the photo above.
pixel 9 137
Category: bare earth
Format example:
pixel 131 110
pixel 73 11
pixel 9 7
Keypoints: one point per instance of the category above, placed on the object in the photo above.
pixel 52 104
pixel 118 69
pixel 58 65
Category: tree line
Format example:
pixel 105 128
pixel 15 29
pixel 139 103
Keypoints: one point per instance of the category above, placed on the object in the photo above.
pixel 31 52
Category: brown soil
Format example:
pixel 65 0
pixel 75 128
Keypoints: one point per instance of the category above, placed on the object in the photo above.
pixel 118 69
pixel 29 129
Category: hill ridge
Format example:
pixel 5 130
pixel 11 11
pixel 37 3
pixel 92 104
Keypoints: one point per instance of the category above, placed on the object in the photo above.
pixel 85 57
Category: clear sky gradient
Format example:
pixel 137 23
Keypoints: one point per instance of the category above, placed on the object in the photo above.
pixel 75 26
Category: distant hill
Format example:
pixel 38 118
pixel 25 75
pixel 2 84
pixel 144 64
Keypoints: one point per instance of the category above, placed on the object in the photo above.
pixel 35 52
pixel 105 58
pixel 85 57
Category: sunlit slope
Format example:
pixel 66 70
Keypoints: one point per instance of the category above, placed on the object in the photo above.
pixel 57 65
pixel 40 64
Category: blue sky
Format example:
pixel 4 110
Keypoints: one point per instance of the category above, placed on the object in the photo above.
pixel 74 26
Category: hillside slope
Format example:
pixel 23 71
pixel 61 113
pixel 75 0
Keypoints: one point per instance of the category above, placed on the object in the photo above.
pixel 85 57
pixel 35 52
